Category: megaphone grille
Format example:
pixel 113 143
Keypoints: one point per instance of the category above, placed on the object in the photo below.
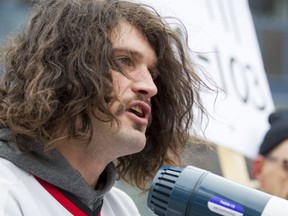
pixel 161 189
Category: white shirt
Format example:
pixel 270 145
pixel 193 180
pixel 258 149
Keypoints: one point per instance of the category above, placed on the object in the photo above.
pixel 22 195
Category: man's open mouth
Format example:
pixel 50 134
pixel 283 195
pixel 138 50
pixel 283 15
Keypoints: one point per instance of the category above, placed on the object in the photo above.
pixel 137 110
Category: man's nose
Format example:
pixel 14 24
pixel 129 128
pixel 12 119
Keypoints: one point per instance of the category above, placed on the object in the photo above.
pixel 144 84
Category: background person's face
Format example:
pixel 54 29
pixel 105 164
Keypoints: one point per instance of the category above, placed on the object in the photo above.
pixel 273 176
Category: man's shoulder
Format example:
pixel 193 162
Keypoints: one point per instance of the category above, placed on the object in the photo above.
pixel 12 178
pixel 12 188
pixel 11 172
pixel 21 194
pixel 115 191
pixel 116 195
pixel 118 201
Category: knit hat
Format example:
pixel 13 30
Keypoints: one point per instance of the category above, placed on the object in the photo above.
pixel 277 133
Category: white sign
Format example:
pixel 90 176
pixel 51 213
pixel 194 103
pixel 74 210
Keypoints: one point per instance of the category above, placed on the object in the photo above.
pixel 224 43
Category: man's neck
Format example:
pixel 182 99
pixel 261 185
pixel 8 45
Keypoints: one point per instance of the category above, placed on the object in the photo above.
pixel 84 159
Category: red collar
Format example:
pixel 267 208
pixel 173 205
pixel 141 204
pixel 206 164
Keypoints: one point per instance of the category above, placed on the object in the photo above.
pixel 62 199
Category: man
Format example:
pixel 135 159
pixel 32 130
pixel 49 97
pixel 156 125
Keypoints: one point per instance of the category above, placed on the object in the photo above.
pixel 271 165
pixel 92 90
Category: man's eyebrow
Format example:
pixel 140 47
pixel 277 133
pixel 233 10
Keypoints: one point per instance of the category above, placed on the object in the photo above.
pixel 133 53
pixel 127 50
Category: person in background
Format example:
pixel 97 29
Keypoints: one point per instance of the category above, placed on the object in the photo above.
pixel 92 91
pixel 270 167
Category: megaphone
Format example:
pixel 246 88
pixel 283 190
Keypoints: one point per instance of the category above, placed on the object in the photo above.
pixel 191 191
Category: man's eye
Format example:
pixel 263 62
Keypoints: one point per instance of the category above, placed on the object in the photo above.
pixel 124 61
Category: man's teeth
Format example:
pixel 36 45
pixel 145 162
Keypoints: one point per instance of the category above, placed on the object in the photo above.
pixel 137 110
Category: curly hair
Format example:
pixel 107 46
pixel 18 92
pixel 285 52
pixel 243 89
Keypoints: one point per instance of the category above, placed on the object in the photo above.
pixel 58 69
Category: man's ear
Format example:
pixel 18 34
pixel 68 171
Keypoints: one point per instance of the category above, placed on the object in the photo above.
pixel 257 165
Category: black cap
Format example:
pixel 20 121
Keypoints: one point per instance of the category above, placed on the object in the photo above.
pixel 277 133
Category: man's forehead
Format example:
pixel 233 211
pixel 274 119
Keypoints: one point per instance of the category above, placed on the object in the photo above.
pixel 126 38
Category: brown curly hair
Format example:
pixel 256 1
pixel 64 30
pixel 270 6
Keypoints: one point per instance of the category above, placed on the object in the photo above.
pixel 58 69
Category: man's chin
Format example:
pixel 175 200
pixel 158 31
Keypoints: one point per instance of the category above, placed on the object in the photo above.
pixel 138 147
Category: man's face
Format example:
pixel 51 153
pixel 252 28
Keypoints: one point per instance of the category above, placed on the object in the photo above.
pixel 274 173
pixel 138 60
